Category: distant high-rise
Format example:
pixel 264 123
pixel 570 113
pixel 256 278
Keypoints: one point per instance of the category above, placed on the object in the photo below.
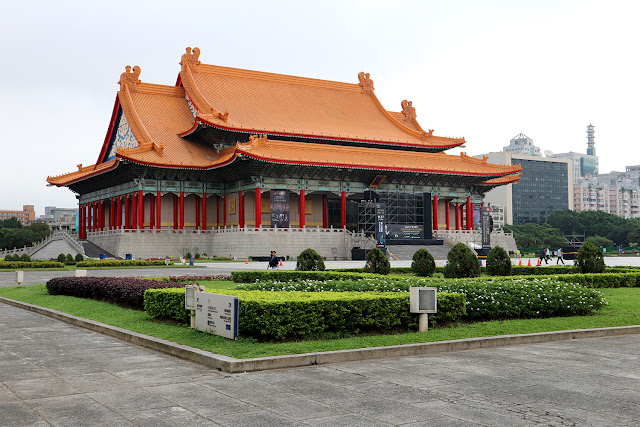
pixel 591 141
pixel 523 145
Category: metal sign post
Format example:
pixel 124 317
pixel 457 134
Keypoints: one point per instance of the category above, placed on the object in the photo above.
pixel 423 301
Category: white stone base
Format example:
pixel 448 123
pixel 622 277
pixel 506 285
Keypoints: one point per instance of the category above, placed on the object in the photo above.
pixel 239 244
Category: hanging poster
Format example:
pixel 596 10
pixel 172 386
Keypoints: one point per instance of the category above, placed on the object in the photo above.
pixel 279 201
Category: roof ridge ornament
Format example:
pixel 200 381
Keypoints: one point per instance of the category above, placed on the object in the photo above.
pixel 130 78
pixel 408 110
pixel 365 82
pixel 189 58
pixel 258 138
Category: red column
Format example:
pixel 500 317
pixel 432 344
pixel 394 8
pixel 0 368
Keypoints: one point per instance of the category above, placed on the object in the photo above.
pixel 103 214
pixel 302 208
pixel 119 213
pixel 446 212
pixel 240 209
pixel 343 209
pixel 152 212
pixel 175 211
pixel 435 213
pixel 258 208
pixel 325 212
pixel 204 211
pixel 224 208
pixel 182 210
pixel 158 211
pixel 457 215
pixel 134 211
pixel 197 212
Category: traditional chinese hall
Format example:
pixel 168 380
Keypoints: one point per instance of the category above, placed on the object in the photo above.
pixel 233 162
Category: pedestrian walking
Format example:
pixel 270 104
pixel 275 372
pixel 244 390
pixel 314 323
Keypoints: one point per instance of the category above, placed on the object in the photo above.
pixel 542 257
pixel 560 258
pixel 547 256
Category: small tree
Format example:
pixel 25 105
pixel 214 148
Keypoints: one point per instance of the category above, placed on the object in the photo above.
pixel 79 257
pixel 423 263
pixel 498 262
pixel 377 262
pixel 197 255
pixel 62 258
pixel 188 255
pixel 69 259
pixel 589 259
pixel 309 260
pixel 461 262
pixel 25 258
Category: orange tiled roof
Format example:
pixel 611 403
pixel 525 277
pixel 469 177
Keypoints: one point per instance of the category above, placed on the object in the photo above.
pixel 370 158
pixel 81 173
pixel 322 155
pixel 503 180
pixel 276 104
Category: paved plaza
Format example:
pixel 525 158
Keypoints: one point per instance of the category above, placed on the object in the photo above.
pixel 52 373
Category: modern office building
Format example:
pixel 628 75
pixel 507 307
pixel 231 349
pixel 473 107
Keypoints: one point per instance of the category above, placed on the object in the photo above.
pixel 523 145
pixel 60 218
pixel 26 216
pixel 545 186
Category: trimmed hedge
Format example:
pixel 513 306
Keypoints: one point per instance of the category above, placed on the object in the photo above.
pixel 293 275
pixel 280 315
pixel 119 263
pixel 603 280
pixel 123 290
pixel 509 298
pixel 31 264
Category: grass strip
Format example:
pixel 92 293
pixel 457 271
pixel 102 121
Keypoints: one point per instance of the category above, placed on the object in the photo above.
pixel 623 310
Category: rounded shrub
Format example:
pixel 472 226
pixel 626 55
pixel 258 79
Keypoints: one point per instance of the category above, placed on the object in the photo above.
pixel 589 259
pixel 79 258
pixel 377 262
pixel 62 258
pixel 498 262
pixel 69 258
pixel 204 255
pixel 461 262
pixel 197 255
pixel 423 263
pixel 8 258
pixel 25 258
pixel 188 255
pixel 309 260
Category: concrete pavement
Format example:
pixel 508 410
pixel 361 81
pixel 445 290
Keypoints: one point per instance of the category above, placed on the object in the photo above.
pixel 52 373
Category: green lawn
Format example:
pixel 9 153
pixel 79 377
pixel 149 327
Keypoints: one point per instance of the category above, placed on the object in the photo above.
pixel 623 309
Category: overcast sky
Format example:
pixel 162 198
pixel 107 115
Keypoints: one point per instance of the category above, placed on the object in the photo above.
pixel 486 70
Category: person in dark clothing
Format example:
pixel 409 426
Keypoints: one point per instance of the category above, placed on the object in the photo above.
pixel 543 256
pixel 273 262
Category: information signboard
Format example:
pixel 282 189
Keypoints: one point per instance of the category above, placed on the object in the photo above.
pixel 381 234
pixel 217 314
pixel 279 208
pixel 485 227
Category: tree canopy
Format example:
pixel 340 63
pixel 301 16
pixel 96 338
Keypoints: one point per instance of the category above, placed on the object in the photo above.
pixel 14 235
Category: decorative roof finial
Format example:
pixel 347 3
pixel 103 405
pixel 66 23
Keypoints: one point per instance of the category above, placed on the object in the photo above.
pixel 408 110
pixel 130 78
pixel 365 82
pixel 190 58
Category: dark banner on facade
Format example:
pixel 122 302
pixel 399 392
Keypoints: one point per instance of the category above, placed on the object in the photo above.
pixel 477 220
pixel 380 224
pixel 404 232
pixel 279 205
pixel 485 219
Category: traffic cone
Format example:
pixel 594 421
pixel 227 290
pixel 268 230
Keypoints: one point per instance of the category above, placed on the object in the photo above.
pixel 538 263
pixel 529 263
pixel 246 261
pixel 520 263
pixel 280 261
